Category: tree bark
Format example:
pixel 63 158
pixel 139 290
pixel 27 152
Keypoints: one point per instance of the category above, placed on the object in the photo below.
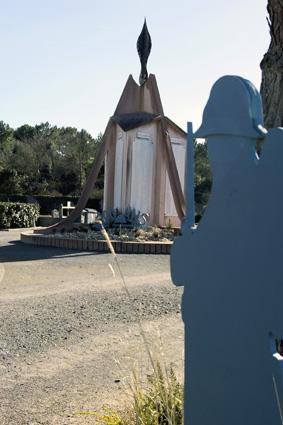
pixel 272 79
pixel 272 68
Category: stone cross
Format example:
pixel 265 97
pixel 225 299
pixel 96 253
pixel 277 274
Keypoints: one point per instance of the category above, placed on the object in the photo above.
pixel 231 267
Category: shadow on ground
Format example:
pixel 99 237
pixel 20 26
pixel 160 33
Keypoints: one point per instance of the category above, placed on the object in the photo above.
pixel 15 250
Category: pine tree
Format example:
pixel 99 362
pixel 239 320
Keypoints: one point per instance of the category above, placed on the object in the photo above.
pixel 272 68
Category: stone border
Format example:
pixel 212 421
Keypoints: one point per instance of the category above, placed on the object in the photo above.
pixel 120 247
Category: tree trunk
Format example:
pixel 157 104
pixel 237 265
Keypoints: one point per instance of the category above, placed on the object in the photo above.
pixel 272 79
pixel 272 68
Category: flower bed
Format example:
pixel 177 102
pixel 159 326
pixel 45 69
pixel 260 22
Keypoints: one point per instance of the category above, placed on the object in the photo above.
pixel 152 240
pixel 121 234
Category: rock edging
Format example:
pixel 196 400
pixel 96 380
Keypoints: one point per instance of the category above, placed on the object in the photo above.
pixel 120 247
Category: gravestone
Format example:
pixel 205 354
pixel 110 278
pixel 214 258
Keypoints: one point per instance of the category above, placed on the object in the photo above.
pixel 231 267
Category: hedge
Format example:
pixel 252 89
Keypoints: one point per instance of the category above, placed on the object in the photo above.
pixel 48 203
pixel 16 214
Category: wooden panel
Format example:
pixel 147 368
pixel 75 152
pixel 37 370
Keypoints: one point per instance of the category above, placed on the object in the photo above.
pixel 129 169
pixel 105 182
pixel 109 174
pixel 172 170
pixel 124 172
pixel 142 170
pixel 158 192
pixel 179 151
pixel 119 159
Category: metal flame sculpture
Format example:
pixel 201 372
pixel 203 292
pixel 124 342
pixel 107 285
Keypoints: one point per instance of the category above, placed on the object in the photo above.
pixel 144 48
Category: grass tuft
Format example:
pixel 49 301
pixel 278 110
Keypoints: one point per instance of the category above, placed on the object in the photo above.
pixel 160 403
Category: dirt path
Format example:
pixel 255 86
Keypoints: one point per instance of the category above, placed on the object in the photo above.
pixel 69 335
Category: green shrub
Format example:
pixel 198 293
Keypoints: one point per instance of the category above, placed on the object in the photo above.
pixel 48 202
pixel 16 214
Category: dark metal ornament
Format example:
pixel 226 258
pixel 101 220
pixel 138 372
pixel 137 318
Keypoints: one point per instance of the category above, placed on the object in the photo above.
pixel 144 48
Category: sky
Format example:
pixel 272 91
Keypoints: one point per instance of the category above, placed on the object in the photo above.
pixel 67 61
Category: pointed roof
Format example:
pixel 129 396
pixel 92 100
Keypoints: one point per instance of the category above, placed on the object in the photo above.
pixel 135 98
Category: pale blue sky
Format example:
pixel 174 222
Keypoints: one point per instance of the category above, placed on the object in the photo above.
pixel 67 61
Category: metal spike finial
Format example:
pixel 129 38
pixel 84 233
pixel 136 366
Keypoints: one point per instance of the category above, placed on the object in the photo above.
pixel 144 48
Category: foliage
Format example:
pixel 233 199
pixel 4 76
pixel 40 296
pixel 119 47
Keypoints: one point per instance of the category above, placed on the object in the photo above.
pixel 51 160
pixel 120 233
pixel 45 159
pixel 48 203
pixel 11 181
pixel 203 178
pixel 163 402
pixel 16 214
pixel 128 218
pixel 6 143
pixel 168 225
pixel 160 404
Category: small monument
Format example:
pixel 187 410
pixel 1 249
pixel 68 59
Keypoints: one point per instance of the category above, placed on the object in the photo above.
pixel 231 268
pixel 144 154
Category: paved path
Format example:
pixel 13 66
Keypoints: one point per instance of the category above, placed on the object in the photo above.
pixel 69 334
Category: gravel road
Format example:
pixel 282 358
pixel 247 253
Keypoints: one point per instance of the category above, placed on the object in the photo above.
pixel 69 334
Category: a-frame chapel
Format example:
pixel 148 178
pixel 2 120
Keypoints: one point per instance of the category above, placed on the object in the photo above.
pixel 144 154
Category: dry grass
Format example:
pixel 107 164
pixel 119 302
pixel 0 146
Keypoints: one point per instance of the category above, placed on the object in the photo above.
pixel 160 403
